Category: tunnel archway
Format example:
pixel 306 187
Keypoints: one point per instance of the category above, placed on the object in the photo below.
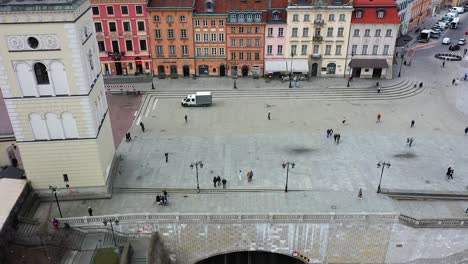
pixel 251 257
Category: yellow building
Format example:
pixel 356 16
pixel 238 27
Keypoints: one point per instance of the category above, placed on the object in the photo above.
pixel 317 37
pixel 52 85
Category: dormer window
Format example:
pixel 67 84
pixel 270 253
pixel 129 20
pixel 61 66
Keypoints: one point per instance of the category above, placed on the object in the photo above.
pixel 233 18
pixel 209 6
pixel 276 15
pixel 358 13
pixel 257 18
pixel 380 13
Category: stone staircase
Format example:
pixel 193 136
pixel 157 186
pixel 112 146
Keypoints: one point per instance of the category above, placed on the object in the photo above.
pixel 457 258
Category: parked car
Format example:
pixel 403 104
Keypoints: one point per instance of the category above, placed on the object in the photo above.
pixel 461 42
pixel 446 41
pixel 454 48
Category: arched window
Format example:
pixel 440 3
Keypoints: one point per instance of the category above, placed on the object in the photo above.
pixel 38 126
pixel 276 15
pixel 331 68
pixel 296 17
pixel 319 16
pixel 306 18
pixel 40 70
pixel 69 125
pixel 59 78
pixel 54 126
pixel 331 17
pixel 26 79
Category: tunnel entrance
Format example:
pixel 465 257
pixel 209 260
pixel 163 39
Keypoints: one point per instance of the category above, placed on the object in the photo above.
pixel 251 257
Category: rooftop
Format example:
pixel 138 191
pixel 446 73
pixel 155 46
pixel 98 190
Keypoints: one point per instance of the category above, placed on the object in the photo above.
pixel 374 3
pixel 10 191
pixel 36 5
pixel 369 15
pixel 220 7
pixel 319 3
pixel 172 4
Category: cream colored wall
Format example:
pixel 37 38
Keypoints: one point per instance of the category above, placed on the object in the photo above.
pixel 4 144
pixel 106 146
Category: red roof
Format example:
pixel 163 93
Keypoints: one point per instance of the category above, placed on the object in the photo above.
pixel 374 3
pixel 220 7
pixel 168 4
pixel 278 4
pixel 329 2
pixel 369 15
pixel 247 4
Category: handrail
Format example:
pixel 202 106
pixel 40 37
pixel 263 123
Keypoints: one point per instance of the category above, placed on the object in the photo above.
pixel 433 223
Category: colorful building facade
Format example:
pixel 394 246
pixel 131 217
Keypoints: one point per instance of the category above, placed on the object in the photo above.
pixel 420 11
pixel 275 39
pixel 122 35
pixel 172 39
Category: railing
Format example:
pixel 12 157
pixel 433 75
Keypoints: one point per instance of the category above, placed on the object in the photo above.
pixel 433 223
pixel 317 38
pixel 319 22
pixel 315 56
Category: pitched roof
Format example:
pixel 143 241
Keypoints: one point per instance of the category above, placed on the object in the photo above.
pixel 277 4
pixel 320 3
pixel 374 3
pixel 369 15
pixel 171 4
pixel 220 7
pixel 247 4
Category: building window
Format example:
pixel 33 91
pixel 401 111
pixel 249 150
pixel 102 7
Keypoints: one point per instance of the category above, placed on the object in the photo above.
pixel 358 14
pixel 304 50
pixel 233 30
pixel 305 32
pixel 126 26
pixel 159 50
pixel 340 32
pixel 129 45
pixel 141 25
pixel 139 9
pixel 241 30
pixel 221 37
pixel 270 32
pixel 65 177
pixel 280 32
pixel 269 49
pixel 170 19
pixel 327 49
pixel 377 32
pixel 197 37
pixel 294 32
pixel 342 17
pixel 205 23
pixel 112 27
pixel 183 33
pixel 385 49
pixel 157 34
pixel 249 56
pixel 249 30
pixel 184 50
pixel 276 15
pixel 331 17
pixel 367 33
pixel 213 51
pixel 183 19
pixel 157 19
pixel 364 50
pixel 388 33
pixel 241 55
pixel 318 31
pixel 170 33
pixel 294 49
pixel 124 10
pixel 331 68
pixel 257 42
pixel 197 23
pixel 316 49
pixel 98 27
pixel 295 18
pixel 172 50
pixel 233 18
pixel 39 127
pixel 319 17
pixel 280 49
pixel 233 42
pixel 110 10
pixel 95 10
pixel 206 51
pixel 221 23
pixel 338 50
pixel 143 45
pixel 356 33
pixel 206 37
pixel 213 37
pixel 257 18
pixel 353 49
pixel 375 49
pixel 241 43
pixel 306 18
pixel 249 18
pixel 257 30
pixel 101 46
pixel 241 18
pixel 329 32
pixel 257 56
pixel 233 55
pixel 198 51
pixel 380 14
pixel 221 51
pixel 40 71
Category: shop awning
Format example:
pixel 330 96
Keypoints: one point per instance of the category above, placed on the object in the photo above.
pixel 368 63
pixel 276 66
pixel 300 65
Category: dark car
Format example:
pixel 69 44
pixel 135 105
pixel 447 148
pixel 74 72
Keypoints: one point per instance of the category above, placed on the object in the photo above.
pixel 454 48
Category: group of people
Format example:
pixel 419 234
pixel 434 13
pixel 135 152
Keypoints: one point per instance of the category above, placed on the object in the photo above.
pixel 161 199
pixel 336 136
pixel 128 137
pixel 217 182
pixel 409 141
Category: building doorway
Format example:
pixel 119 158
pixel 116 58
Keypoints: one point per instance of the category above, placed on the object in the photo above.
pixel 186 70
pixel 357 72
pixel 118 68
pixel 314 71
pixel 107 69
pixel 234 71
pixel 174 73
pixel 377 73
pixel 222 70
pixel 203 70
pixel 161 72
pixel 245 71
pixel 331 68
pixel 139 65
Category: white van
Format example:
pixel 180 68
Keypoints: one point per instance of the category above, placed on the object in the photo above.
pixel 457 9
pixel 452 14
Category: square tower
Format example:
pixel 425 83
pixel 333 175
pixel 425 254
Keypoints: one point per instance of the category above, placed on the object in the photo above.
pixel 51 81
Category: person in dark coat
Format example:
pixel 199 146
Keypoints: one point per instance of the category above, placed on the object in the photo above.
pixel 218 180
pixel 215 180
pixel 142 126
pixel 466 130
pixel 412 123
pixel 449 171
pixel 90 211
pixel 224 183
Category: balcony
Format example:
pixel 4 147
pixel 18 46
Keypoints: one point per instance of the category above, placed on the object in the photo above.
pixel 315 56
pixel 115 55
pixel 319 22
pixel 317 38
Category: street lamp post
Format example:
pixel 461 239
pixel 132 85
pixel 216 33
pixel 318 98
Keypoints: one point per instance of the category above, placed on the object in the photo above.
pixel 196 164
pixel 54 192
pixel 382 164
pixel 290 71
pixel 350 69
pixel 110 220
pixel 402 56
pixel 285 165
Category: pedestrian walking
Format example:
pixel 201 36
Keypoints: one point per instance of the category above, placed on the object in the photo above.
pixel 185 117
pixel 269 115
pixel 215 180
pixel 378 89
pixel 415 85
pixel 90 211
pixel 218 179
pixel 466 130
pixel 410 143
pixel 338 138
pixel 412 123
pixel 449 171
pixel 443 64
pixel 335 136
pixel 167 156
pixel 249 176
pixel 142 126
pixel 126 136
pixel 453 81
pixel 378 118
pixel 129 137
pixel 420 85
pixel 55 223
pixel 239 174
pixel 328 133
pixel 344 121
pixel 331 131
pixel 224 183
pixel 360 193
pixel 165 194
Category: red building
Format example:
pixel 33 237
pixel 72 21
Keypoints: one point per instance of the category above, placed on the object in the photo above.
pixel 420 11
pixel 122 36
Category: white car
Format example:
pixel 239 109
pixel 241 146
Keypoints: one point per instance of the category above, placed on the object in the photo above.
pixel 446 41
pixel 461 42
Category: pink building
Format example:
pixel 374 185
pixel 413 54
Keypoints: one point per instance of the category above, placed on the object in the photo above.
pixel 275 39
pixel 122 36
